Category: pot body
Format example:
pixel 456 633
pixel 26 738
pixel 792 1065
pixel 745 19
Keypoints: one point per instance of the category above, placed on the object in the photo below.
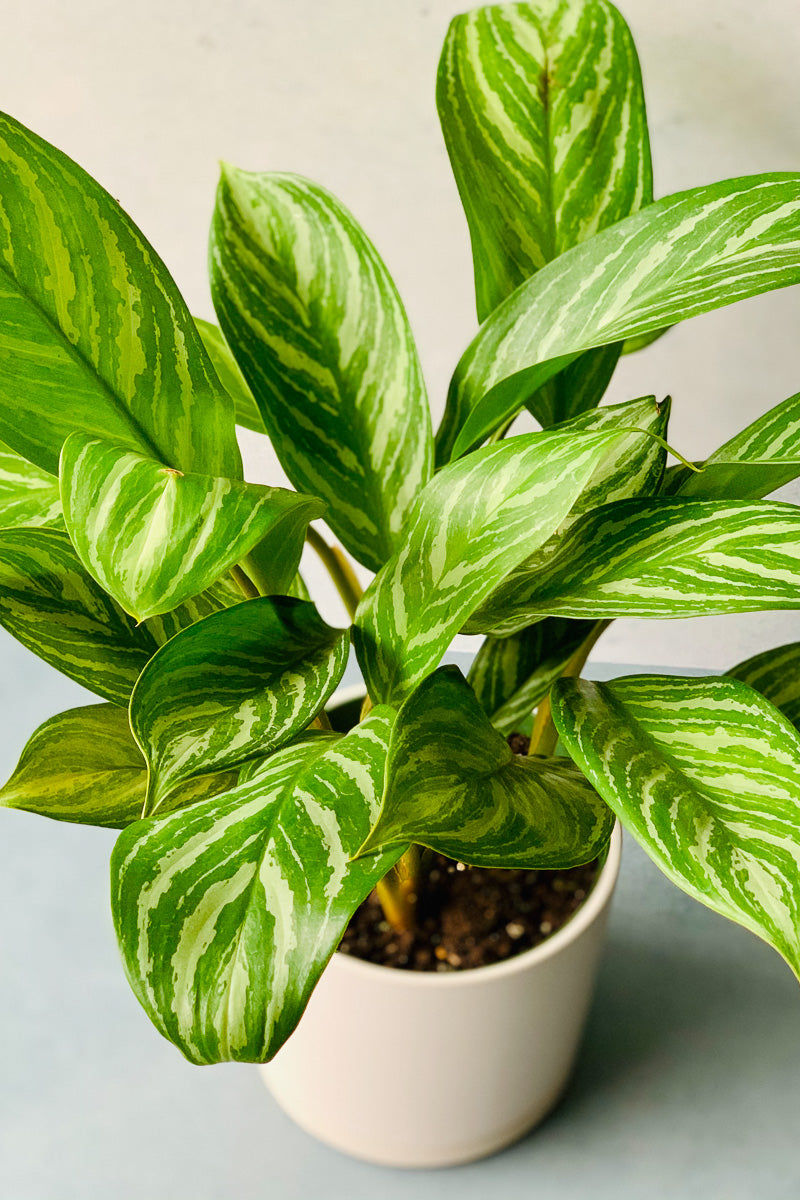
pixel 418 1069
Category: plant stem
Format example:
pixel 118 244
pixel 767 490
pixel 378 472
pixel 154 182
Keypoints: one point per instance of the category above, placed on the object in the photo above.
pixel 339 569
pixel 245 583
pixel 397 891
pixel 544 735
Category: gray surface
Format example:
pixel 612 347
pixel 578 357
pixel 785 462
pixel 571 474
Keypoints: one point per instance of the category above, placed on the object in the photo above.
pixel 688 1086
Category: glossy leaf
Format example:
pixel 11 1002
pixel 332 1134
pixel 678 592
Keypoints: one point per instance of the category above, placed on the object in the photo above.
pixel 453 784
pixel 776 675
pixel 230 376
pixel 235 685
pixel 321 335
pixel 154 537
pixel 705 774
pixel 227 912
pixel 681 256
pixel 28 495
pixel 95 336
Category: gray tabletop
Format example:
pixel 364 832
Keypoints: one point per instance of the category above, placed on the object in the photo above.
pixel 688 1084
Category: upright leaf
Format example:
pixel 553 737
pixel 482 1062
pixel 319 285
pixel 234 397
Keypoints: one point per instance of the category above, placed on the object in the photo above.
pixel 705 774
pixel 95 336
pixel 238 684
pixel 453 784
pixel 230 376
pixel 28 495
pixel 322 338
pixel 227 912
pixel 776 675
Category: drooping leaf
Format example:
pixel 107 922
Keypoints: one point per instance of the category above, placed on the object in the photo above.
pixel 705 774
pixel 226 913
pixel 681 256
pixel 776 675
pixel 28 495
pixel 154 537
pixel 453 784
pixel 577 389
pixel 94 335
pixel 322 338
pixel 238 684
pixel 84 766
pixel 659 558
pixel 471 525
pixel 230 376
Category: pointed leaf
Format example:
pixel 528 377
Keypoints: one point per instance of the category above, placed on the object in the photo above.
pixel 239 684
pixel 705 774
pixel 227 912
pixel 95 336
pixel 321 335
pixel 28 495
pixel 154 537
pixel 453 784
pixel 776 675
pixel 230 376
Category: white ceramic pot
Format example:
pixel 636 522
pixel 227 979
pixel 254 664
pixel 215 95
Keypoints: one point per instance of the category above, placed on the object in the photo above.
pixel 416 1069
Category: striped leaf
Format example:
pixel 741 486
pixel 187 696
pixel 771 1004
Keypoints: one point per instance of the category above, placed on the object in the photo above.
pixel 679 257
pixel 473 523
pixel 230 376
pixel 227 912
pixel 454 785
pixel 238 684
pixel 84 766
pixel 577 389
pixel 322 338
pixel 776 675
pixel 512 675
pixel 28 495
pixel 94 335
pixel 222 594
pixel 50 604
pixel 705 774
pixel 154 537
pixel 659 558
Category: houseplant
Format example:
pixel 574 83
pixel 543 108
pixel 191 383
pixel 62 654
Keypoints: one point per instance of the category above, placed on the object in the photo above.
pixel 537 538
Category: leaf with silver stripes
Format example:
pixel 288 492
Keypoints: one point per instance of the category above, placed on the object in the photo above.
pixel 705 774
pixel 679 257
pixel 95 336
pixel 154 537
pixel 227 912
pixel 28 495
pixel 317 326
pixel 776 675
pixel 238 684
pixel 230 376
pixel 453 784
pixel 659 558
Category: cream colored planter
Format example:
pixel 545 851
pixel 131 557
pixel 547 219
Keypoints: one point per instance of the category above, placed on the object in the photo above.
pixel 416 1069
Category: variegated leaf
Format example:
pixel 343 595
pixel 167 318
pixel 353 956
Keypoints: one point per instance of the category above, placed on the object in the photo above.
pixel 512 675
pixel 705 774
pixel 84 766
pixel 227 912
pixel 659 558
pixel 471 525
pixel 776 675
pixel 454 785
pixel 235 685
pixel 222 594
pixel 322 338
pixel 28 495
pixel 577 389
pixel 94 335
pixel 230 376
pixel 154 537
pixel 679 257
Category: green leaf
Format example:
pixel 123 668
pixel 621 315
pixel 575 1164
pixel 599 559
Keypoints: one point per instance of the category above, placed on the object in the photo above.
pixel 222 594
pixel 776 675
pixel 28 495
pixel 154 537
pixel 238 684
pixel 681 256
pixel 512 675
pixel 227 912
pixel 454 785
pixel 659 558
pixel 50 604
pixel 84 766
pixel 473 523
pixel 642 340
pixel 322 338
pixel 230 376
pixel 577 389
pixel 705 774
pixel 94 334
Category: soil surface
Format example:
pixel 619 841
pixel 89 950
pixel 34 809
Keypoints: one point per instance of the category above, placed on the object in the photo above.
pixel 471 916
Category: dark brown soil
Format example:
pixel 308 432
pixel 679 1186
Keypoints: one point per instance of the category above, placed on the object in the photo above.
pixel 471 916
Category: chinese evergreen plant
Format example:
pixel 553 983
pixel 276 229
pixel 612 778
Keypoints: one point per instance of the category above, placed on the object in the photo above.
pixel 136 559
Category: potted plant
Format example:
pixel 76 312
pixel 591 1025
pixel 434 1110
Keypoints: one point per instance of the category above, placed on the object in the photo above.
pixel 135 558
